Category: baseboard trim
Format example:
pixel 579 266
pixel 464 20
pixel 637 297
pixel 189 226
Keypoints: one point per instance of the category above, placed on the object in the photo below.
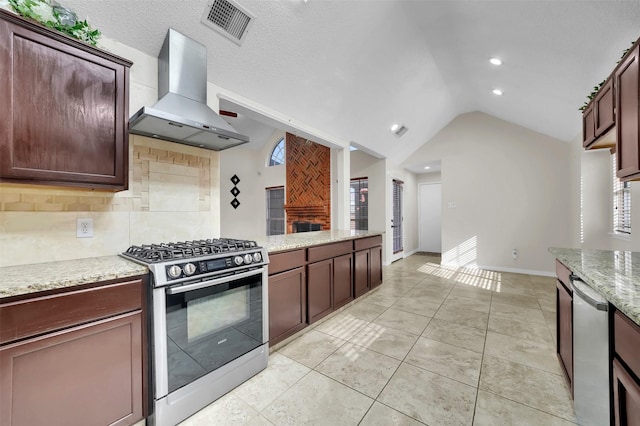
pixel 410 253
pixel 503 269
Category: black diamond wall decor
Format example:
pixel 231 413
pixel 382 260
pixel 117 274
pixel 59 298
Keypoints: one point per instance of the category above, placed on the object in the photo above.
pixel 235 191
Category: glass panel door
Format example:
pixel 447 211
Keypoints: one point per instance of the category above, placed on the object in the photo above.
pixel 396 224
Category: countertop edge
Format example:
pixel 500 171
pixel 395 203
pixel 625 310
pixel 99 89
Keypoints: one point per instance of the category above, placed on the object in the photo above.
pixel 30 279
pixel 613 274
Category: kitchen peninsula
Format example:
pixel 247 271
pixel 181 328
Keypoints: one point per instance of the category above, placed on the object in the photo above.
pixel 600 344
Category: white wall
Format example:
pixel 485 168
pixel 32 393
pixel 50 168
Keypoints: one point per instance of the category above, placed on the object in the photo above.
pixel 596 192
pixel 365 165
pixel 510 186
pixel 434 177
pixel 251 166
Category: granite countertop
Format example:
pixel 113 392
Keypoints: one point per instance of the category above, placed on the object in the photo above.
pixel 298 240
pixel 613 274
pixel 25 279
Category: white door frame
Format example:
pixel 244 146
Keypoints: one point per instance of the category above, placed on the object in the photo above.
pixel 421 243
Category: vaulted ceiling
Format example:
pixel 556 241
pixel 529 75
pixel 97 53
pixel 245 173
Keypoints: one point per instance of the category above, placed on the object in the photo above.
pixel 354 67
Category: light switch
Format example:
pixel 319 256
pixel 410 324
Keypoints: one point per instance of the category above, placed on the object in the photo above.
pixel 451 204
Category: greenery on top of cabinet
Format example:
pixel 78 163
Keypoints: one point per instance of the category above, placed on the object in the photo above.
pixel 597 88
pixel 57 17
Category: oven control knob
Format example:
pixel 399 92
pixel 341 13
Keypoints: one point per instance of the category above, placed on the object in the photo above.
pixel 238 260
pixel 257 257
pixel 189 269
pixel 248 259
pixel 174 271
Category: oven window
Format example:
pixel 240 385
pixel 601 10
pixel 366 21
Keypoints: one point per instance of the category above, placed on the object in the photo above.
pixel 209 327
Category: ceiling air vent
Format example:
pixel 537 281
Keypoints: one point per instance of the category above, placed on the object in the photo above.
pixel 228 18
pixel 400 131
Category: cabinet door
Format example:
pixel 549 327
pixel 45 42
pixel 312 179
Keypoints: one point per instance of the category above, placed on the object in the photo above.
pixel 626 397
pixel 376 267
pixel 362 264
pixel 604 107
pixel 626 84
pixel 342 280
pixel 65 110
pixel 564 326
pixel 287 304
pixel 588 126
pixel 91 374
pixel 319 289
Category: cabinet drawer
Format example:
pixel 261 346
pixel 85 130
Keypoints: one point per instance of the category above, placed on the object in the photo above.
pixel 280 262
pixel 563 274
pixel 31 317
pixel 627 341
pixel 315 254
pixel 365 243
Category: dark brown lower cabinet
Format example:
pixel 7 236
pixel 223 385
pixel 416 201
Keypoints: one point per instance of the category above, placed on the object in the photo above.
pixel 362 262
pixel 376 267
pixel 342 279
pixel 88 374
pixel 565 331
pixel 368 270
pixel 287 304
pixel 319 289
pixel 75 357
pixel 626 371
pixel 329 286
pixel 626 396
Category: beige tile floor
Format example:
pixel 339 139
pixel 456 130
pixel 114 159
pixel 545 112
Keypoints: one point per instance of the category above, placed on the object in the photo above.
pixel 432 345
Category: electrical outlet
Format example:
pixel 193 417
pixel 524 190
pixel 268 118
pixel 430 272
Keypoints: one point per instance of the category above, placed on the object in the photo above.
pixel 514 253
pixel 84 227
pixel 451 204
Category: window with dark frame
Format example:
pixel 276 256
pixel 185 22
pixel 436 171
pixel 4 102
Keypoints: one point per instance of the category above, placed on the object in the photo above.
pixel 621 203
pixel 359 204
pixel 275 211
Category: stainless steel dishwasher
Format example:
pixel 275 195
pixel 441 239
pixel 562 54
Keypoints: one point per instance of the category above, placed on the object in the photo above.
pixel 590 355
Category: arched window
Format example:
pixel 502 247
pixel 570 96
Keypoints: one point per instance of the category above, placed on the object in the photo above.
pixel 277 155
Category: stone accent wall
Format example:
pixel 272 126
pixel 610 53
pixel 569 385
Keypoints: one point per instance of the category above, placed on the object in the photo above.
pixel 308 185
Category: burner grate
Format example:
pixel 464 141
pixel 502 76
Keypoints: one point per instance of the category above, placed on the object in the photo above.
pixel 154 253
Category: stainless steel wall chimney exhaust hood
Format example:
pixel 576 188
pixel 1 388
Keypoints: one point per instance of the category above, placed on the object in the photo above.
pixel 181 113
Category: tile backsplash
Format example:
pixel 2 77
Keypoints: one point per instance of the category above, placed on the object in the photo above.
pixel 173 195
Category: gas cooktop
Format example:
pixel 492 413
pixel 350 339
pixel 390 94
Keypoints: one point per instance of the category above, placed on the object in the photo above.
pixel 199 259
pixel 163 252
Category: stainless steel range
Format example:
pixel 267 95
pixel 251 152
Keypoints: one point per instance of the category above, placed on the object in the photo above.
pixel 209 321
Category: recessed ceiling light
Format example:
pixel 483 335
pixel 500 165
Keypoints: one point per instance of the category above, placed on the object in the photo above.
pixel 427 167
pixel 394 127
pixel 495 61
pixel 497 92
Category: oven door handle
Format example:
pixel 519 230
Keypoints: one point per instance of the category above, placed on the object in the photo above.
pixel 209 283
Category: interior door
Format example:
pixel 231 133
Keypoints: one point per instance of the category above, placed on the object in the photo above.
pixel 430 223
pixel 396 222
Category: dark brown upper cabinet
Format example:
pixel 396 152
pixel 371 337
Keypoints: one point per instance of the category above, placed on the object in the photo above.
pixel 598 119
pixel 64 108
pixel 626 85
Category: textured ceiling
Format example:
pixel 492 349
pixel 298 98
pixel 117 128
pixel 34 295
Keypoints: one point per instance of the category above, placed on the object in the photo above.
pixel 352 68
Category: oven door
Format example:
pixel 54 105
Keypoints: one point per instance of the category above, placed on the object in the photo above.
pixel 199 327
